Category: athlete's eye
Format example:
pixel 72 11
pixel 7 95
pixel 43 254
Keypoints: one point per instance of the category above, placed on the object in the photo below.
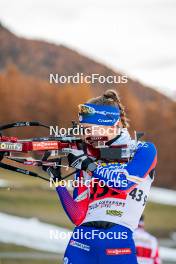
pixel 88 129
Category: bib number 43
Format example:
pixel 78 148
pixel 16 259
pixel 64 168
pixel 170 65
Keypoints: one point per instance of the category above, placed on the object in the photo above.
pixel 138 195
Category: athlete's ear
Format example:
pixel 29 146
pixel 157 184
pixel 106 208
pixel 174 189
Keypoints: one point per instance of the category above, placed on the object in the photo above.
pixel 119 124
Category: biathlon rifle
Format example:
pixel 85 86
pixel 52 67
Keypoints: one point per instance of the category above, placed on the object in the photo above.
pixel 53 146
pixel 47 146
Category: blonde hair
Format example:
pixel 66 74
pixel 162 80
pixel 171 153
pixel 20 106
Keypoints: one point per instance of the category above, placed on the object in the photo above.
pixel 111 97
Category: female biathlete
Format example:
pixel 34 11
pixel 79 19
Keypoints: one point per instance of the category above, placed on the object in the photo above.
pixel 106 215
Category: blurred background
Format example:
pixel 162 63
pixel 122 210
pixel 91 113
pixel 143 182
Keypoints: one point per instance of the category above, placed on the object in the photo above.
pixel 37 38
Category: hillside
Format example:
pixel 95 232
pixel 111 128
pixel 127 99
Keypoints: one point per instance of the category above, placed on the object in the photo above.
pixel 26 94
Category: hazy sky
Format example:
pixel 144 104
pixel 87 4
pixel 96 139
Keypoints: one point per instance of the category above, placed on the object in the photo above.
pixel 137 37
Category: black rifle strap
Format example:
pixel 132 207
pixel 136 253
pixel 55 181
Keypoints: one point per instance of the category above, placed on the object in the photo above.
pixel 22 171
pixel 30 173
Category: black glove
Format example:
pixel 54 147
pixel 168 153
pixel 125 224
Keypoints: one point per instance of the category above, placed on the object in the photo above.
pixel 2 155
pixel 77 159
pixel 54 172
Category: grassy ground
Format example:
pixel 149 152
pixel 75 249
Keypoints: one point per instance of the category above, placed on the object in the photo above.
pixel 26 255
pixel 160 219
pixel 29 261
pixel 42 204
pixel 30 197
pixel 14 248
pixel 32 261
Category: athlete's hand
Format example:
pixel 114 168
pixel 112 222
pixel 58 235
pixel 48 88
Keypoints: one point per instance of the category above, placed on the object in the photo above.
pixel 53 172
pixel 77 159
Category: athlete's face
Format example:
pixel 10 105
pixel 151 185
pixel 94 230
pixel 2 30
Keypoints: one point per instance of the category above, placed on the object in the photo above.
pixel 97 130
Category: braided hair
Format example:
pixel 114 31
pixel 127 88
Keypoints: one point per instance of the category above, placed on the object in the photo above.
pixel 111 97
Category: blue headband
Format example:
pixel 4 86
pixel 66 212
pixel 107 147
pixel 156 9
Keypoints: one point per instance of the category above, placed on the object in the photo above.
pixel 99 114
